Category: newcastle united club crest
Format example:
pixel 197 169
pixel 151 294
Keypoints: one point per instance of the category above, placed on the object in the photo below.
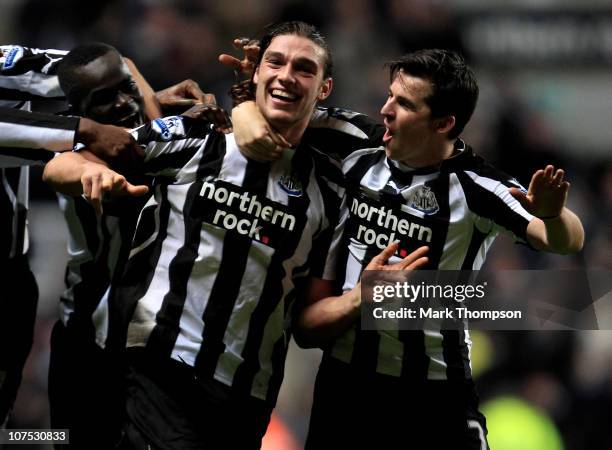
pixel 423 199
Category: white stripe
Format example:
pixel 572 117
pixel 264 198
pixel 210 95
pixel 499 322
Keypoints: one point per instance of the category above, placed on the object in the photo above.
pixel 475 425
pixel 321 119
pixel 29 136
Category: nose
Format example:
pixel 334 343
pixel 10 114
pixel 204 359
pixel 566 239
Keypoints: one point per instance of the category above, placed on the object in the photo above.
pixel 285 74
pixel 387 109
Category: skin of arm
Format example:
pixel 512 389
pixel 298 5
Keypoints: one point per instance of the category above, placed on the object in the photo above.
pixel 555 228
pixel 325 316
pixel 152 107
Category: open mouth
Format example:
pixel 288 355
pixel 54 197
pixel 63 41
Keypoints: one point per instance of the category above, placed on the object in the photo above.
pixel 387 136
pixel 283 96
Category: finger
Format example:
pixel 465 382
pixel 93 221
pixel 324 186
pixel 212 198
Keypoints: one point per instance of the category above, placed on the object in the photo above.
pixel 251 52
pixel 414 256
pixel 95 197
pixel 558 177
pixel 388 252
pixel 230 61
pixel 565 187
pixel 537 180
pixel 279 140
pixel 548 171
pixel 108 182
pixel 419 263
pixel 193 89
pixel 181 101
pixel 239 43
pixel 136 191
pixel 119 183
pixel 210 99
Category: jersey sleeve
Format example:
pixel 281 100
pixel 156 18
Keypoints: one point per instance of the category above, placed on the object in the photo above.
pixel 171 144
pixel 29 73
pixel 23 134
pixel 339 132
pixel 488 196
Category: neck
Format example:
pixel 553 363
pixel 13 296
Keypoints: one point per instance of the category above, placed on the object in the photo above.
pixel 432 156
pixel 293 134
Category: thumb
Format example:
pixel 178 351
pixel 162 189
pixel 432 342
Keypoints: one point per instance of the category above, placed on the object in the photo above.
pixel 175 100
pixel 519 195
pixel 136 191
pixel 230 61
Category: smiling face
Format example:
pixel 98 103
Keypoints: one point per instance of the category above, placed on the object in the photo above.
pixel 413 137
pixel 108 93
pixel 290 82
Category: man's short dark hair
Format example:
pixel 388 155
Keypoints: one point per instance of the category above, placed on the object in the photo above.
pixel 454 86
pixel 297 28
pixel 79 56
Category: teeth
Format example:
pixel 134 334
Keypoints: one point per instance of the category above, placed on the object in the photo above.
pixel 284 94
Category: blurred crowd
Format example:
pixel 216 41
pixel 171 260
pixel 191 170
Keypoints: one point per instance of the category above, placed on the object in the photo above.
pixel 560 381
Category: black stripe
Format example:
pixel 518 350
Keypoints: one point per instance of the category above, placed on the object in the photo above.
pixel 170 160
pixel 17 95
pixel 272 292
pixel 38 120
pixel 7 215
pixel 94 273
pixel 136 279
pixel 456 356
pixel 165 333
pixel 415 362
pixel 478 238
pixel 224 292
pixel 360 168
pixel 365 351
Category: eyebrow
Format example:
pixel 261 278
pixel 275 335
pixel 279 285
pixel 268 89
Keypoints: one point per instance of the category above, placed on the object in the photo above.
pixel 303 61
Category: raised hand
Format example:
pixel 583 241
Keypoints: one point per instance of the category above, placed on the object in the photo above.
pixel 547 193
pixel 246 66
pixel 185 93
pixel 211 113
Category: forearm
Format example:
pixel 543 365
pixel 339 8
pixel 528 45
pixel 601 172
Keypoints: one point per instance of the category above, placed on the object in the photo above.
pixel 152 108
pixel 563 234
pixel 325 320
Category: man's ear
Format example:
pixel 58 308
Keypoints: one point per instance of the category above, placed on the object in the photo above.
pixel 256 75
pixel 326 89
pixel 444 124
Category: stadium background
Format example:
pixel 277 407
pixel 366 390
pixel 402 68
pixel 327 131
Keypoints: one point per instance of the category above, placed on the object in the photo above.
pixel 546 97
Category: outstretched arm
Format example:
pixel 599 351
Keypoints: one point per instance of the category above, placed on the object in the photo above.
pixel 325 316
pixel 83 173
pixel 555 228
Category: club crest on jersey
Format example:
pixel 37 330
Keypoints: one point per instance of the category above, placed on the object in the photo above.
pixel 11 58
pixel 169 127
pixel 423 199
pixel 291 185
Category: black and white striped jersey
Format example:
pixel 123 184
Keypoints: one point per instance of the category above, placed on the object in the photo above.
pixel 220 250
pixel 25 74
pixel 97 249
pixel 457 209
